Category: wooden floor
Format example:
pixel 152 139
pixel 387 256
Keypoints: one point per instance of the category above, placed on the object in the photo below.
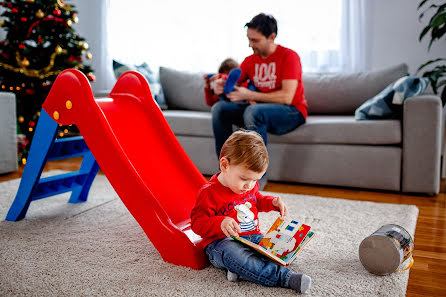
pixel 428 274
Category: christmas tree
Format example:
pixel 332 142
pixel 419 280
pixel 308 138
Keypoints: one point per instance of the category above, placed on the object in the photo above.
pixel 40 43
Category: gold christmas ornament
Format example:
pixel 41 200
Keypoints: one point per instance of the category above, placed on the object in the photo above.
pixel 75 19
pixel 31 1
pixel 84 45
pixel 58 49
pixel 89 56
pixel 69 22
pixel 2 23
pixel 40 14
pixel 21 119
pixel 25 62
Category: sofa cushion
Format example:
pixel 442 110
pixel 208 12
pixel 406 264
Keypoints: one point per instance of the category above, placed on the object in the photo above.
pixel 321 129
pixel 389 102
pixel 330 129
pixel 189 122
pixel 151 77
pixel 183 90
pixel 340 93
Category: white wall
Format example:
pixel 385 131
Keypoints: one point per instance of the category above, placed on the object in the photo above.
pixel 394 35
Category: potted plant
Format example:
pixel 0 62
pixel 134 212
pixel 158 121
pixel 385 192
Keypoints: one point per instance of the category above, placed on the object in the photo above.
pixel 437 29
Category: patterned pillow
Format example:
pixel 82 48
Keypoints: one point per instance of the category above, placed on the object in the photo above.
pixel 388 104
pixel 152 79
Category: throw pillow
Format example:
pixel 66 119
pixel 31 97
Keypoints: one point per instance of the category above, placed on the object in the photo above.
pixel 152 79
pixel 389 103
pixel 183 90
pixel 342 93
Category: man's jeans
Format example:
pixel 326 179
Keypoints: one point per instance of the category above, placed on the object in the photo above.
pixel 261 117
pixel 238 258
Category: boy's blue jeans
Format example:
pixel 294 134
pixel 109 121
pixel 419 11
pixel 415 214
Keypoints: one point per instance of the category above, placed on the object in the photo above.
pixel 261 117
pixel 238 258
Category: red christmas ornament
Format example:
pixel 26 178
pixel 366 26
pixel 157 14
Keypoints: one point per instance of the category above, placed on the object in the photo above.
pixel 91 77
pixel 40 40
pixel 23 19
pixel 57 11
pixel 22 46
pixel 32 124
pixel 14 10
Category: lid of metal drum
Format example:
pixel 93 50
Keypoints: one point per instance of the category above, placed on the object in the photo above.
pixel 379 254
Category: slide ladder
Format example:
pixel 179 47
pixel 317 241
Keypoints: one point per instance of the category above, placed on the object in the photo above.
pixel 135 148
pixel 46 148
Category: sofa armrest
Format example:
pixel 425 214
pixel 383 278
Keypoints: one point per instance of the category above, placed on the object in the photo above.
pixel 422 142
pixel 8 133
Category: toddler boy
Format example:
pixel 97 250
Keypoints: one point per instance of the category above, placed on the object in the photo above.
pixel 229 204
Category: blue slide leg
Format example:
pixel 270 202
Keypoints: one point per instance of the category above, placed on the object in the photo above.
pixel 42 141
pixel 89 169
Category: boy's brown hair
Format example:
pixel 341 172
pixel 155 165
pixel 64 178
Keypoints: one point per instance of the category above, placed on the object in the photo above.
pixel 246 148
pixel 227 65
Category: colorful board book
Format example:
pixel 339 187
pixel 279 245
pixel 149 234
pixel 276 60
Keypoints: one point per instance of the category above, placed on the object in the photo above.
pixel 284 240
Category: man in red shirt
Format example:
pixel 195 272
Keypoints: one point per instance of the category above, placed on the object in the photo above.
pixel 279 105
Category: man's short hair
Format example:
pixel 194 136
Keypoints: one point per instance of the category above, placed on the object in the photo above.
pixel 264 23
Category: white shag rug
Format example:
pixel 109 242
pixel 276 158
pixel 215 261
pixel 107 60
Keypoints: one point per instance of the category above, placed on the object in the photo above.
pixel 97 249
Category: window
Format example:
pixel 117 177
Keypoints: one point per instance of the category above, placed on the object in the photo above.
pixel 198 35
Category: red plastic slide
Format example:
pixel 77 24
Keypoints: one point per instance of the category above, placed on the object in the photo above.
pixel 141 157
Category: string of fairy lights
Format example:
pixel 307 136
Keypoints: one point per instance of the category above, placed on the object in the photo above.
pixel 40 77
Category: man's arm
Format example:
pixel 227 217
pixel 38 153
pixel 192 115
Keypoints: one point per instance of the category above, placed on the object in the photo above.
pixel 283 96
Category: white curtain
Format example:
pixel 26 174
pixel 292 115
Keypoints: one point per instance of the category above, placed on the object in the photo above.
pixel 198 35
pixel 356 35
pixel 93 26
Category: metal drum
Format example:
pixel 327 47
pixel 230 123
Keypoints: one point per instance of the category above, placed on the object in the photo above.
pixel 386 249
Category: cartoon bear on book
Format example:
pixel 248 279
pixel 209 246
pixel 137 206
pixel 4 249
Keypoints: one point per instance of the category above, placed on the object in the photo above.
pixel 246 217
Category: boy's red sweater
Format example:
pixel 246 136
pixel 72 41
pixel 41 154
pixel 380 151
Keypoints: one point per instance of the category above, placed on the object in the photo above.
pixel 215 202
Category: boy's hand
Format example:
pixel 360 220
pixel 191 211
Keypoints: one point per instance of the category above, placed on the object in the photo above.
pixel 230 227
pixel 280 206
pixel 207 83
pixel 219 86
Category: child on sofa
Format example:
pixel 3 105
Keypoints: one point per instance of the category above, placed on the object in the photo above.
pixel 228 69
pixel 228 205
pixel 225 67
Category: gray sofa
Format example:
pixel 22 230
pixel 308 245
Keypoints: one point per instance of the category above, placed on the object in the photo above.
pixel 331 148
pixel 8 133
